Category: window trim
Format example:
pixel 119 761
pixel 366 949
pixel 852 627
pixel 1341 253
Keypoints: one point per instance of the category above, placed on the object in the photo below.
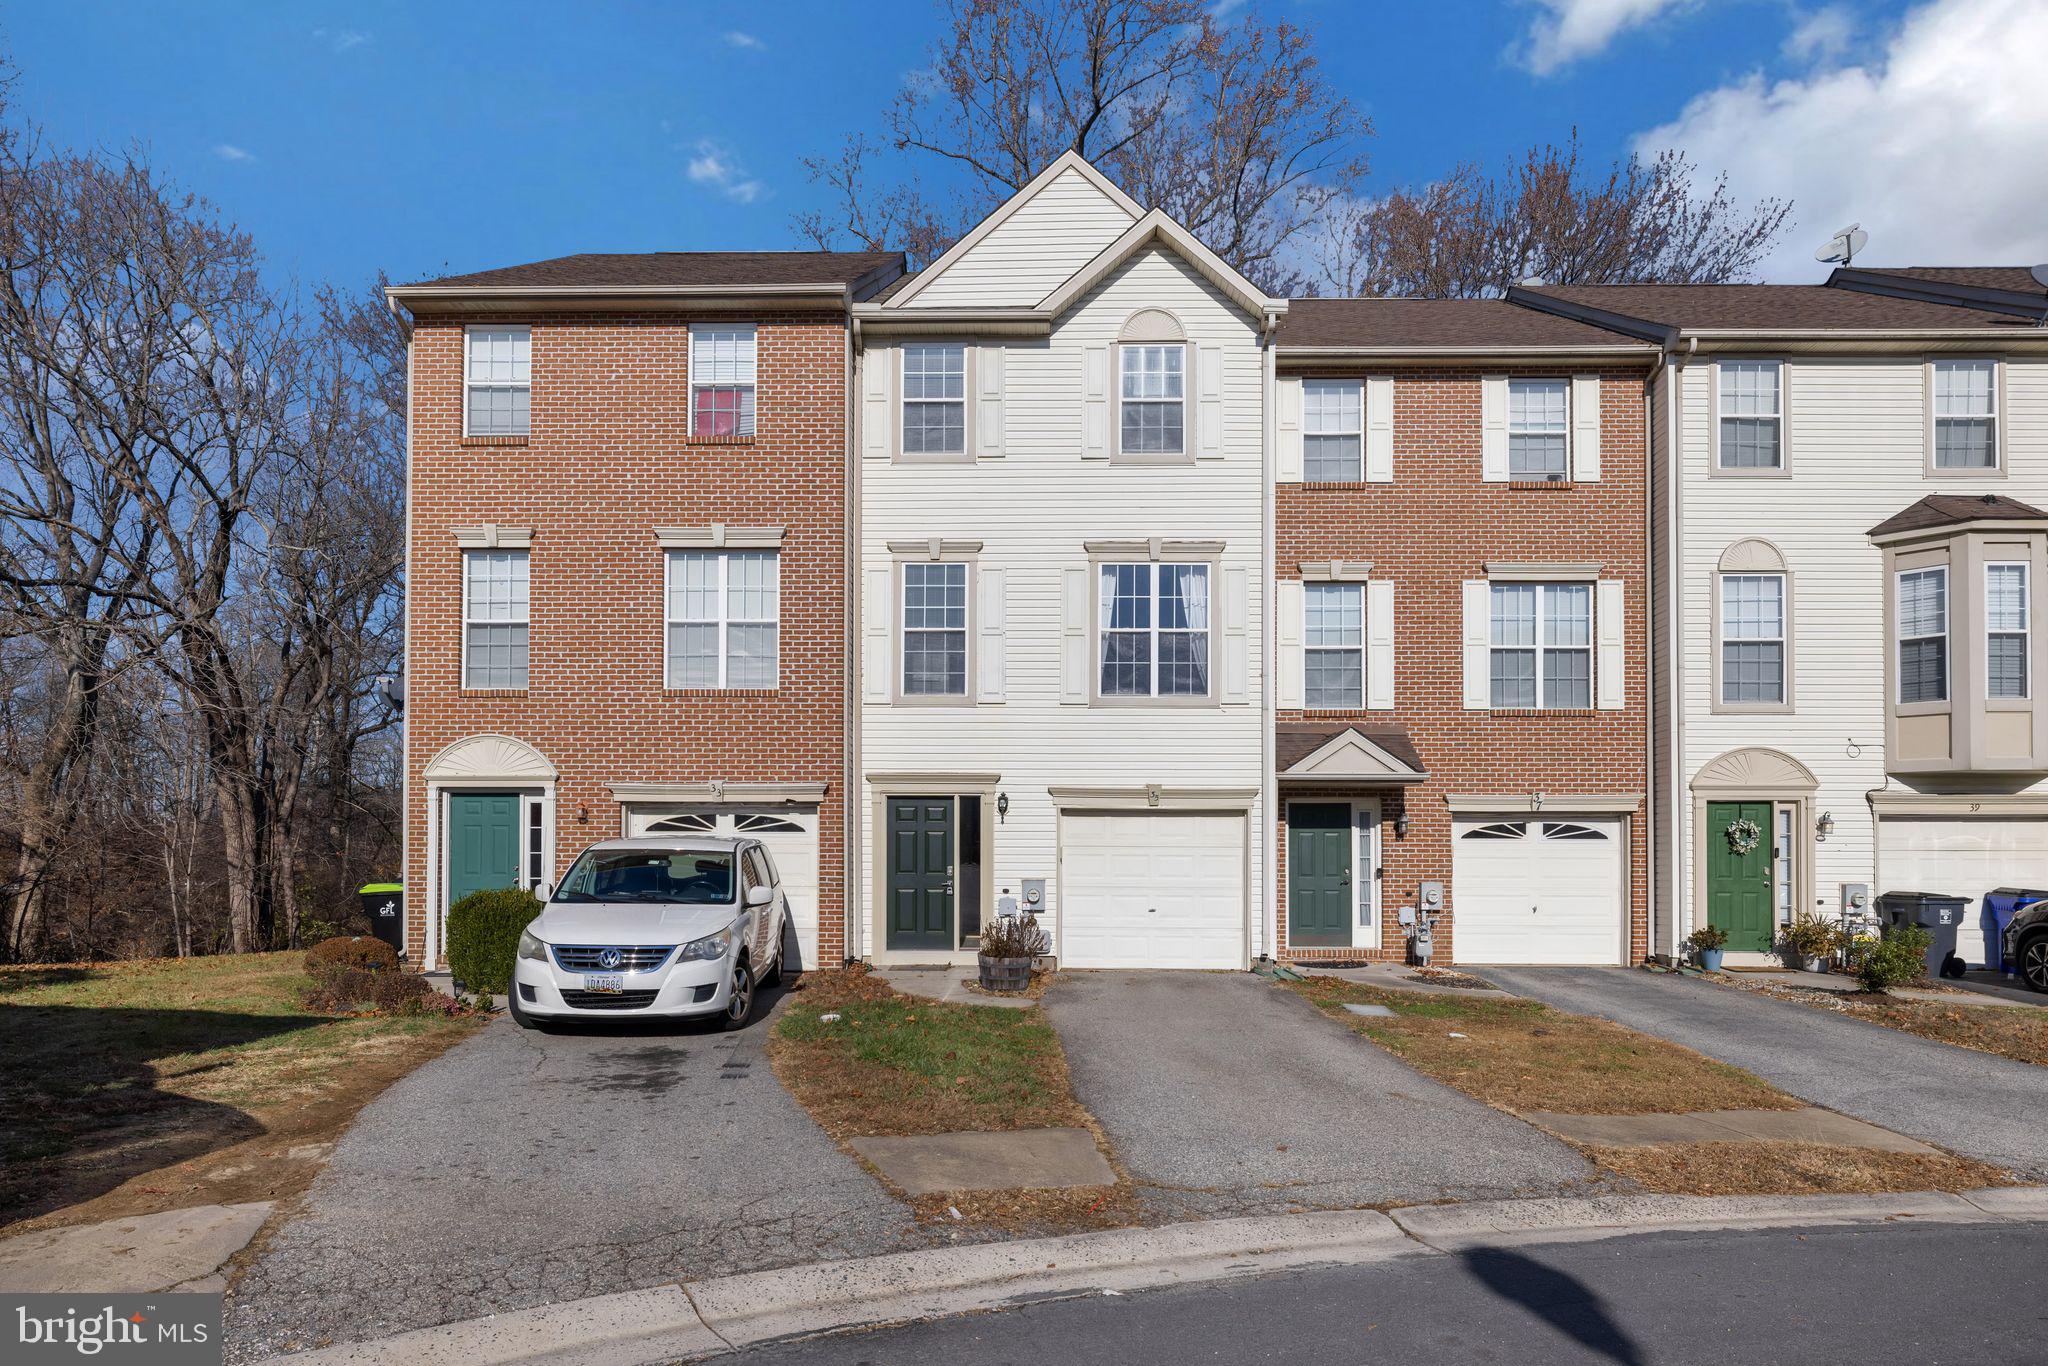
pixel 469 554
pixel 1591 647
pixel 969 379
pixel 1721 703
pixel 2025 633
pixel 1899 639
pixel 1783 469
pixel 690 381
pixel 1188 384
pixel 471 329
pixel 725 621
pixel 1358 433
pixel 898 585
pixel 1997 468
pixel 1508 454
pixel 1166 554
pixel 1308 586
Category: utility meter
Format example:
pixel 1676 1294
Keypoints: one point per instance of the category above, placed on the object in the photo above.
pixel 1431 895
pixel 1034 894
pixel 1855 898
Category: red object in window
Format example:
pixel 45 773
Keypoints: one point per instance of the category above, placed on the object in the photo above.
pixel 724 412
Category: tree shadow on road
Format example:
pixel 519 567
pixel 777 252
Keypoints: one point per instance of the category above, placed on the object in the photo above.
pixel 1560 1299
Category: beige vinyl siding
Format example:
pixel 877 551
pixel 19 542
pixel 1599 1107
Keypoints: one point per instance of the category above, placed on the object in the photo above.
pixel 1856 434
pixel 1033 511
pixel 1032 252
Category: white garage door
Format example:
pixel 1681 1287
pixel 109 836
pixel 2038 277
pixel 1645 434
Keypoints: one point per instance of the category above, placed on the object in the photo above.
pixel 1538 890
pixel 790 834
pixel 1963 858
pixel 1151 889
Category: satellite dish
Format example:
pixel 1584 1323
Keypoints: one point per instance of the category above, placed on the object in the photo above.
pixel 2040 274
pixel 1844 245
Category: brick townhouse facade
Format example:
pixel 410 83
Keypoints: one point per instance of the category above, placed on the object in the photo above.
pixel 628 568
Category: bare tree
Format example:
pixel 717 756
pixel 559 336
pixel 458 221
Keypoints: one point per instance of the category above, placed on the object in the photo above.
pixel 1228 125
pixel 1551 218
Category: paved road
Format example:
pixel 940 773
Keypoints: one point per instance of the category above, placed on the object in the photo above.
pixel 1974 1103
pixel 1926 1295
pixel 522 1168
pixel 1224 1094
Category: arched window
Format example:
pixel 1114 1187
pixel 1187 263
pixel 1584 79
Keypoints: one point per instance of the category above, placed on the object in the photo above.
pixel 1752 629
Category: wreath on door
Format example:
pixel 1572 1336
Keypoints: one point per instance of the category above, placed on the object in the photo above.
pixel 1743 836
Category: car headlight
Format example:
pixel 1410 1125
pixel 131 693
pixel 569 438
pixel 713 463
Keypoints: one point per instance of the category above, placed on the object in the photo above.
pixel 529 947
pixel 710 948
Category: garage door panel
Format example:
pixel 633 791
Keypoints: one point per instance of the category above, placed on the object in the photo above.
pixel 1151 890
pixel 1551 894
pixel 1963 858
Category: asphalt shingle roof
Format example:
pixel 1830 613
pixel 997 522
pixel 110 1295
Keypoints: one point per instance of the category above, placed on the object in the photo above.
pixel 1954 509
pixel 1771 308
pixel 677 270
pixel 1434 323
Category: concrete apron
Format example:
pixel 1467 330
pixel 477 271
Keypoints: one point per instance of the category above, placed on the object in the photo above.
pixel 707 1318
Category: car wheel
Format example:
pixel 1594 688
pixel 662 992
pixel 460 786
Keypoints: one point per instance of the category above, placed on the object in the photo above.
pixel 519 1016
pixel 739 1003
pixel 2034 962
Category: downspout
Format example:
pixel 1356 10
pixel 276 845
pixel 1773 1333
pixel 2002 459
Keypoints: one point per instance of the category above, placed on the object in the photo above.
pixel 1269 656
pixel 853 923
pixel 428 894
pixel 1681 815
pixel 1651 906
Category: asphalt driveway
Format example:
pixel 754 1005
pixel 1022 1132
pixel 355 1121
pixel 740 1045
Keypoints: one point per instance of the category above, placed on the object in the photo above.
pixel 1223 1095
pixel 523 1168
pixel 1973 1103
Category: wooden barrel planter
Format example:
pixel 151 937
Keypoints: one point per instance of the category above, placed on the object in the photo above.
pixel 1005 974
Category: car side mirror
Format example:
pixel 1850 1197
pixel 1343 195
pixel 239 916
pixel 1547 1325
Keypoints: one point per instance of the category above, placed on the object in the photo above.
pixel 543 890
pixel 760 896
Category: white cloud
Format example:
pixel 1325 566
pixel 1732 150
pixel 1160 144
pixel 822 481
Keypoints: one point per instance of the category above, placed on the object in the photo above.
pixel 713 166
pixel 737 38
pixel 1822 36
pixel 1936 145
pixel 1570 29
pixel 341 39
pixel 227 151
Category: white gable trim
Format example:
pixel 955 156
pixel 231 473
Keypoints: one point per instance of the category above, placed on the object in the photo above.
pixel 1352 758
pixel 1156 226
pixel 1065 161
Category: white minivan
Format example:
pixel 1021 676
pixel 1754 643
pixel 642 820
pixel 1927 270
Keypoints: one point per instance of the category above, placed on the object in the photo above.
pixel 661 925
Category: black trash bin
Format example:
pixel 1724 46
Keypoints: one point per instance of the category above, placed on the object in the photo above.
pixel 384 904
pixel 1937 913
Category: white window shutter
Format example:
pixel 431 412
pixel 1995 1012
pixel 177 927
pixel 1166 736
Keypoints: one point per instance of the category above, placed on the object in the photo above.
pixel 1209 410
pixel 1379 430
pixel 1608 628
pixel 1074 661
pixel 1586 428
pixel 1287 611
pixel 878 406
pixel 989 648
pixel 1095 403
pixel 1379 644
pixel 1287 460
pixel 1478 637
pixel 1237 609
pixel 876 658
pixel 1493 428
pixel 988 401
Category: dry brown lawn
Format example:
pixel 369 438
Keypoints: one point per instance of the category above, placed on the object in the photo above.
pixel 2016 1032
pixel 1790 1169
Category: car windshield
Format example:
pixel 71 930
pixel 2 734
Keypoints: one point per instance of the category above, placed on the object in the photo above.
pixel 662 876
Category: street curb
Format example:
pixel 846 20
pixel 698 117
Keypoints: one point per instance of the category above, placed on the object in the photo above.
pixel 706 1318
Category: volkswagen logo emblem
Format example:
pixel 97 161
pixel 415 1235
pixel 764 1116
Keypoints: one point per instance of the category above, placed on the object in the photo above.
pixel 610 958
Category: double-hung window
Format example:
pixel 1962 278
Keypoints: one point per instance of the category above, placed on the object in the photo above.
pixel 1965 415
pixel 1923 635
pixel 494 618
pixel 1333 645
pixel 1333 430
pixel 934 398
pixel 1542 645
pixel 1537 417
pixel 721 380
pixel 1753 638
pixel 724 610
pixel 2006 634
pixel 1153 398
pixel 497 381
pixel 1752 415
pixel 1154 630
pixel 934 629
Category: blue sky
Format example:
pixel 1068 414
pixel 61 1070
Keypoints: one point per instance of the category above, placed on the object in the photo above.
pixel 425 138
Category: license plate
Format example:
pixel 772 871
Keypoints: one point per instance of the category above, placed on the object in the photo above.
pixel 604 981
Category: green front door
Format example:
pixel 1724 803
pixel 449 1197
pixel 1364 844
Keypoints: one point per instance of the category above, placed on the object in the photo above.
pixel 1739 885
pixel 1320 893
pixel 483 842
pixel 920 873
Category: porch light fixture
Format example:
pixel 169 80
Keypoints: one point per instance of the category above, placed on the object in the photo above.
pixel 1002 806
pixel 1401 827
pixel 1824 827
pixel 583 813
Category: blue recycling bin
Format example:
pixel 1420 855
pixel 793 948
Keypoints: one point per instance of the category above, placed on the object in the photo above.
pixel 2001 904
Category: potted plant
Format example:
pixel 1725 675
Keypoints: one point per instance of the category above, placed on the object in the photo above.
pixel 1009 946
pixel 1708 941
pixel 1807 942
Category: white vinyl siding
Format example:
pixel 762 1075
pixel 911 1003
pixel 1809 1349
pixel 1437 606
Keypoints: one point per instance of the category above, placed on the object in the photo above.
pixel 1965 415
pixel 1153 630
pixel 1923 635
pixel 1541 646
pixel 1034 251
pixel 721 379
pixel 1333 431
pixel 1752 415
pixel 934 398
pixel 1538 429
pixel 495 604
pixel 1152 398
pixel 935 630
pixel 497 381
pixel 724 610
pixel 2006 632
pixel 1753 638
pixel 1333 644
